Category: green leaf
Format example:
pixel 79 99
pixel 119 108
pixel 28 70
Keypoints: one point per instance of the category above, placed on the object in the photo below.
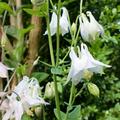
pixel 38 11
pixel 12 31
pixel 40 76
pixel 75 114
pixel 21 70
pixel 17 33
pixel 61 113
pixel 5 6
pixel 57 70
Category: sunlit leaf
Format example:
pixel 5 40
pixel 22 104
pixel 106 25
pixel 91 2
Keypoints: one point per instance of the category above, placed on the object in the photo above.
pixel 5 6
pixel 40 76
pixel 38 11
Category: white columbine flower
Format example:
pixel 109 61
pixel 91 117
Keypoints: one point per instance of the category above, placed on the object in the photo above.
pixel 82 63
pixel 89 27
pixel 64 24
pixel 25 96
pixel 28 91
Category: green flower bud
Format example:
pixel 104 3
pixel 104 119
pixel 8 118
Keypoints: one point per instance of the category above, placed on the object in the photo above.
pixel 93 89
pixel 59 87
pixel 73 27
pixel 49 90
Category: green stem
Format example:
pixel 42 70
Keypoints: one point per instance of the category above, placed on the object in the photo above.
pixel 70 101
pixel 78 32
pixel 49 36
pixel 78 93
pixel 58 34
pixel 81 2
pixel 52 4
pixel 53 63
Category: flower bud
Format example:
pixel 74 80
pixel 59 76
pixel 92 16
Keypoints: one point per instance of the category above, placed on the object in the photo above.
pixel 59 87
pixel 73 28
pixel 49 90
pixel 93 89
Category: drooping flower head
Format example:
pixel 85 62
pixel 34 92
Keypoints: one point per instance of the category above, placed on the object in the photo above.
pixel 90 28
pixel 25 96
pixel 64 24
pixel 81 63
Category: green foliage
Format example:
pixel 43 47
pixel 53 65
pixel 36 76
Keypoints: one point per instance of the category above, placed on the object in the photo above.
pixel 75 114
pixel 40 11
pixel 57 70
pixel 4 6
pixel 40 76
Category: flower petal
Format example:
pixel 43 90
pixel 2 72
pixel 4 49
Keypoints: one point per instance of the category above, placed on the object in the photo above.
pixel 84 27
pixel 64 24
pixel 97 29
pixel 92 64
pixel 53 24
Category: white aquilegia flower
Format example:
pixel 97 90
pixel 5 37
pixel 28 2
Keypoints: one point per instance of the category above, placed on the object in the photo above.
pixel 28 91
pixel 89 27
pixel 82 63
pixel 24 96
pixel 64 24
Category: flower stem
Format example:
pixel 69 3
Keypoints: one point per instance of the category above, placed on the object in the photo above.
pixel 58 33
pixel 49 36
pixel 81 90
pixel 53 63
pixel 70 101
pixel 81 2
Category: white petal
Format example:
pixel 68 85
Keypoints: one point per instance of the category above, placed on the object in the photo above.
pixel 53 24
pixel 96 28
pixel 92 64
pixel 64 24
pixel 18 111
pixel 77 67
pixel 84 27
pixel 3 71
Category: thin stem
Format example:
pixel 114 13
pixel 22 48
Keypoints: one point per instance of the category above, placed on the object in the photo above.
pixel 52 4
pixel 4 17
pixel 77 36
pixel 78 93
pixel 81 2
pixel 49 37
pixel 53 63
pixel 9 81
pixel 45 63
pixel 58 33
pixel 70 101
